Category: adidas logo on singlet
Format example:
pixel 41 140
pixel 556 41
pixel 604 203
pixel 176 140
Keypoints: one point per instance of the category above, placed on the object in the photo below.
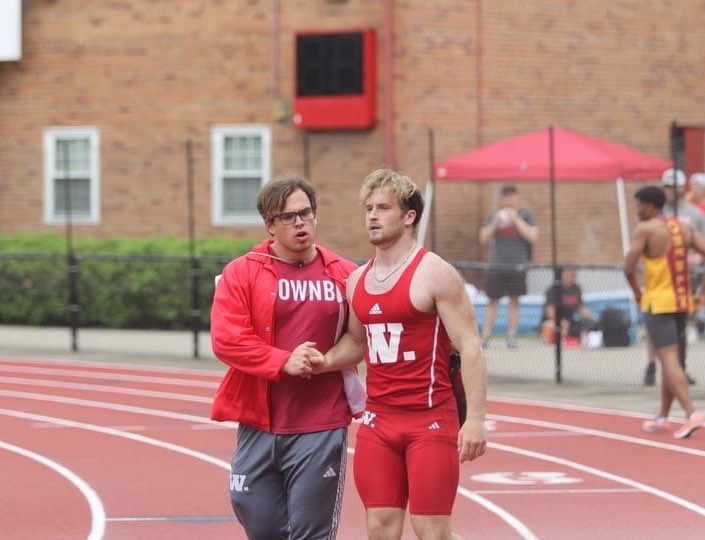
pixel 375 310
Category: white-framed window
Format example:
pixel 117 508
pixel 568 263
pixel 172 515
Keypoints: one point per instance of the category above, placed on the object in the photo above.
pixel 241 164
pixel 71 175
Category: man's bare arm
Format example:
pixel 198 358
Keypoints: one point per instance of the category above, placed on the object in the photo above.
pixel 349 350
pixel 488 230
pixel 458 316
pixel 631 259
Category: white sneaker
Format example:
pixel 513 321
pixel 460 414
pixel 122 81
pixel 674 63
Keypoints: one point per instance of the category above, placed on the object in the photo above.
pixel 657 425
pixel 691 424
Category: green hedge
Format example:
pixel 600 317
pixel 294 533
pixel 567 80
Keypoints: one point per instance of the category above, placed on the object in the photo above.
pixel 121 282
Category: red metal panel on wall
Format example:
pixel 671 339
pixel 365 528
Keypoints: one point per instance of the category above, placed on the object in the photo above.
pixel 694 150
pixel 335 80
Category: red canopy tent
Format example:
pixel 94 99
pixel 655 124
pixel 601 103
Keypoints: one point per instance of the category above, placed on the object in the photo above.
pixel 575 157
pixel 554 154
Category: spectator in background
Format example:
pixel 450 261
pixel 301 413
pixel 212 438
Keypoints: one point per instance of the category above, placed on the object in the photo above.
pixel 665 299
pixel 575 315
pixel 674 183
pixel 696 195
pixel 511 232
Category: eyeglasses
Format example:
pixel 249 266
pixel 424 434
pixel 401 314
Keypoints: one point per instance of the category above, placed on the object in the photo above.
pixel 288 218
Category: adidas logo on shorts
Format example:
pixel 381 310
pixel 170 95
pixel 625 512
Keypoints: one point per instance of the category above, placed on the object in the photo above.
pixel 330 473
pixel 435 425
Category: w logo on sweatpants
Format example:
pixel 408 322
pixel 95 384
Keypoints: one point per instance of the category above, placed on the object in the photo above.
pixel 237 482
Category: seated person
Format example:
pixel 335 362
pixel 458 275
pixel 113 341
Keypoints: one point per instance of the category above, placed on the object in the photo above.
pixel 575 316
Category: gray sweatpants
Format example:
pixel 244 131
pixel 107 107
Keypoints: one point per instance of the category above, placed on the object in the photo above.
pixel 288 486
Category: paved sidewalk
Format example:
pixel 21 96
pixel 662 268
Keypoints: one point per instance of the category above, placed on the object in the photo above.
pixel 176 349
pixel 158 347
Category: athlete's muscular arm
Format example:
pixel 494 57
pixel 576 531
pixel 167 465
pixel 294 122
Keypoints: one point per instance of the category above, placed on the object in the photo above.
pixel 631 259
pixel 349 350
pixel 453 305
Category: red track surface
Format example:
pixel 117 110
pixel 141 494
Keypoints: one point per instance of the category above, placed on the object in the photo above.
pixel 120 451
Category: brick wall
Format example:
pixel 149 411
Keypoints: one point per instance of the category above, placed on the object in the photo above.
pixel 151 74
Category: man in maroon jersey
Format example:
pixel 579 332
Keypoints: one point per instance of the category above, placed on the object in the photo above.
pixel 409 310
pixel 270 305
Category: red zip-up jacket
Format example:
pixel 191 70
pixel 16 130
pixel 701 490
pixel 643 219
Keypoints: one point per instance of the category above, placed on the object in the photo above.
pixel 242 332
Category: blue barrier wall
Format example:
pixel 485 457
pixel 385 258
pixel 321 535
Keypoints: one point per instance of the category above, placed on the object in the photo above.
pixel 531 309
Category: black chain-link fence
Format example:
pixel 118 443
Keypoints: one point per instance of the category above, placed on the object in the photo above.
pixel 156 292
pixel 605 344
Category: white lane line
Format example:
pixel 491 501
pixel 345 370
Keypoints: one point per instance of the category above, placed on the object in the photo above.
pixel 568 407
pixel 105 389
pixel 115 407
pixel 216 373
pixel 94 502
pixel 117 433
pixel 519 526
pixel 603 474
pixel 599 433
pixel 135 428
pixel 532 434
pixel 111 376
pixel 555 491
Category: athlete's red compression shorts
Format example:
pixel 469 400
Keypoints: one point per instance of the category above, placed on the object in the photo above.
pixel 409 455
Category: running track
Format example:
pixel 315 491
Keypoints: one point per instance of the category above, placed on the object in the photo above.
pixel 119 451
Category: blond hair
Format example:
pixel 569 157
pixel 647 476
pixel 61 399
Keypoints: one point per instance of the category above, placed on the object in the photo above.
pixel 401 186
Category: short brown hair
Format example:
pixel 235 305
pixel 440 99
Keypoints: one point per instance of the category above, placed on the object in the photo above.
pixel 508 189
pixel 403 187
pixel 272 197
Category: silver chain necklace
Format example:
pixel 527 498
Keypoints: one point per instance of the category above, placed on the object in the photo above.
pixel 402 263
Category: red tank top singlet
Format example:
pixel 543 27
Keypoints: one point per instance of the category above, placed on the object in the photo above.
pixel 408 350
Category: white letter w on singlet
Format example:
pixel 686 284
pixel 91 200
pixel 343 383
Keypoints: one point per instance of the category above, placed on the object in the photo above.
pixel 381 350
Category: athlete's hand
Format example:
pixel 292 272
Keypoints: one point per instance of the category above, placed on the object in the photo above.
pixel 317 360
pixel 472 440
pixel 637 297
pixel 299 361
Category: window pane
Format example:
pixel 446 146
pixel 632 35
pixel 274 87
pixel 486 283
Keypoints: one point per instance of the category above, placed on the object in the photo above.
pixel 243 152
pixel 228 153
pixel 79 190
pixel 240 194
pixel 78 153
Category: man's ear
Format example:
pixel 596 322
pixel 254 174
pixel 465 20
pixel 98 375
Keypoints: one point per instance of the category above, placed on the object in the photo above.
pixel 269 226
pixel 410 217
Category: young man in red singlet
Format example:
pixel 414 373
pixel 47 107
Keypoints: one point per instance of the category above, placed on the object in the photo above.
pixel 662 244
pixel 270 305
pixel 409 310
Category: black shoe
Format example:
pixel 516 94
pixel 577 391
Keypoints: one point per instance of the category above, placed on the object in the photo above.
pixel 512 342
pixel 485 343
pixel 690 379
pixel 650 374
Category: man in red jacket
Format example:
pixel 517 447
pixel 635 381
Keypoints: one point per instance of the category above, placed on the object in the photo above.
pixel 270 306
